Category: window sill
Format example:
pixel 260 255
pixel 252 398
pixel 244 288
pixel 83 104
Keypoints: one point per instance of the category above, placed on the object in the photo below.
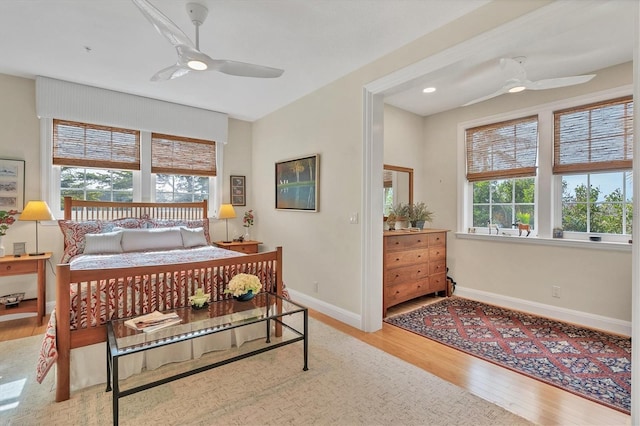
pixel 558 242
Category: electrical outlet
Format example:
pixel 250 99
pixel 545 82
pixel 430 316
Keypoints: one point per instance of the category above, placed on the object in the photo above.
pixel 555 291
pixel 316 286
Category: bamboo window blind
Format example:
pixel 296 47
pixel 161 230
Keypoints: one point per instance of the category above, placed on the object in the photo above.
pixel 595 137
pixel 89 145
pixel 502 150
pixel 184 156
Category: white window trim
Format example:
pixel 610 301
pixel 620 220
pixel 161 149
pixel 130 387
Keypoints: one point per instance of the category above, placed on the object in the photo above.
pixel 548 209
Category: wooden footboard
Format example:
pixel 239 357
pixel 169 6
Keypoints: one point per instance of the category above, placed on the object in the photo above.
pixel 87 299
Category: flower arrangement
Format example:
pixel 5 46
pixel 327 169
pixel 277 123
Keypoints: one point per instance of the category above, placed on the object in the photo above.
pixel 242 284
pixel 6 220
pixel 247 220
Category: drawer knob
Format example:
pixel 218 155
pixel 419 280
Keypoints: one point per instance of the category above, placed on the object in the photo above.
pixel 8 267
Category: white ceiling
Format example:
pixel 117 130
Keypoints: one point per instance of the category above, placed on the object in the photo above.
pixel 578 37
pixel 110 44
pixel 314 41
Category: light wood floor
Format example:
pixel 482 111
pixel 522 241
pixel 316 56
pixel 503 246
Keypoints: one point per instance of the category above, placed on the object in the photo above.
pixel 529 398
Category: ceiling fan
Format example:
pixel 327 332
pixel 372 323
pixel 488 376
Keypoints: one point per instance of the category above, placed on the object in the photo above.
pixel 190 58
pixel 518 82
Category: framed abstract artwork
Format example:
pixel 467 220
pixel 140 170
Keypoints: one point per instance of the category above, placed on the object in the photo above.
pixel 11 184
pixel 297 183
pixel 238 191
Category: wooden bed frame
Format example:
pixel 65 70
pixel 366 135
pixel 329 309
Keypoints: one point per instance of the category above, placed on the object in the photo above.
pixel 90 328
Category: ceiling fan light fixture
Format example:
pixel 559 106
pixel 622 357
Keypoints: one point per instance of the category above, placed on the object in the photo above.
pixel 197 65
pixel 516 89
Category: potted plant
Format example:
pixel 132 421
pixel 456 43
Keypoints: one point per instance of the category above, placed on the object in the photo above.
pixel 399 213
pixel 419 214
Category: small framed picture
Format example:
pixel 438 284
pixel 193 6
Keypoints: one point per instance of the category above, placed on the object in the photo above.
pixel 238 191
pixel 19 249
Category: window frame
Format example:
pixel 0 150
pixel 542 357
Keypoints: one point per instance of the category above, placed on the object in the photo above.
pixel 548 194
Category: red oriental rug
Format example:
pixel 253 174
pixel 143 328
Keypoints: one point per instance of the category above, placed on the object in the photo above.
pixel 589 363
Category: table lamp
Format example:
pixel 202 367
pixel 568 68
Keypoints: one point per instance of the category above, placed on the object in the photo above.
pixel 226 212
pixel 36 211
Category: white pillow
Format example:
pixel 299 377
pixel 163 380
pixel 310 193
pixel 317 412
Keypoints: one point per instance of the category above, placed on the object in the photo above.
pixel 108 242
pixel 193 237
pixel 151 239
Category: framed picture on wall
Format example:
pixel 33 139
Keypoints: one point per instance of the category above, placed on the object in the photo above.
pixel 297 184
pixel 11 184
pixel 238 191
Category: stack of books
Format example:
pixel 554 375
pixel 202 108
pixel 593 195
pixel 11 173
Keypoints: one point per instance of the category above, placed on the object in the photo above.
pixel 153 321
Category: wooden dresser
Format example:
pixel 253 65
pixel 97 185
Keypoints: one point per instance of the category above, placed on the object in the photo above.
pixel 415 264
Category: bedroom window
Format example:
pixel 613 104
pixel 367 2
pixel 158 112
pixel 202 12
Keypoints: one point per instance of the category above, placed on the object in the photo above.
pixel 501 169
pixel 104 163
pixel 593 155
pixel 96 184
pixel 182 167
pixel 95 162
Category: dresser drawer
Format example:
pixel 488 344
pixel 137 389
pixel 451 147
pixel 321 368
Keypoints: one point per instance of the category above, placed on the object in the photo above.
pixel 438 282
pixel 405 242
pixel 405 258
pixel 437 253
pixel 402 292
pixel 437 267
pixel 437 239
pixel 405 274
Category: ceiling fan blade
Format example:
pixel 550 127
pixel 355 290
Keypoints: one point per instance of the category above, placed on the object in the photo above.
pixel 552 83
pixel 243 69
pixel 163 25
pixel 169 73
pixel 497 93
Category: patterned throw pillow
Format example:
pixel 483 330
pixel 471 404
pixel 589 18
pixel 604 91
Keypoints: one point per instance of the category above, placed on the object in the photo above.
pixel 166 223
pixel 74 233
pixel 127 222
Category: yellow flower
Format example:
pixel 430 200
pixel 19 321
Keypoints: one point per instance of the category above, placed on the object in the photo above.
pixel 242 283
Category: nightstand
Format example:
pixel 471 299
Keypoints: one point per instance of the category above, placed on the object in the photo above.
pixel 25 264
pixel 247 247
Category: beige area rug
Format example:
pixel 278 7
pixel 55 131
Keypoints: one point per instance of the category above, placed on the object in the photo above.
pixel 348 383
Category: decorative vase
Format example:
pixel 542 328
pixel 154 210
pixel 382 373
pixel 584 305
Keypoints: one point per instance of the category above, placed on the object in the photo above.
pixel 1 247
pixel 420 224
pixel 246 234
pixel 245 297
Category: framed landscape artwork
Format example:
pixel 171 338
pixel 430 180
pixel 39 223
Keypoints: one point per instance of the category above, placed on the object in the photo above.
pixel 238 191
pixel 297 184
pixel 11 184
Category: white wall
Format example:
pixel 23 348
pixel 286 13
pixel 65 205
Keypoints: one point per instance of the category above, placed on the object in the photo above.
pixel 237 160
pixel 404 146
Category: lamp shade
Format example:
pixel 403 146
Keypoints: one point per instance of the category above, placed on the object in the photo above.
pixel 36 210
pixel 226 212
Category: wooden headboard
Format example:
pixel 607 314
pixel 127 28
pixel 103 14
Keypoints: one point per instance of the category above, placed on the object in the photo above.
pixel 81 210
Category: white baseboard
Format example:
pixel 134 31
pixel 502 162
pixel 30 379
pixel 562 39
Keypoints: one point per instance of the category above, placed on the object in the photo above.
pixel 599 322
pixel 340 314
